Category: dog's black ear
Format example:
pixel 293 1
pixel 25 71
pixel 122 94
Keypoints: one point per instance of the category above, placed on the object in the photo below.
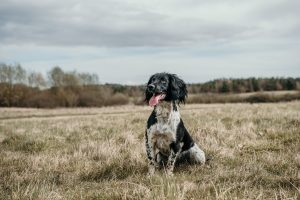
pixel 148 95
pixel 178 88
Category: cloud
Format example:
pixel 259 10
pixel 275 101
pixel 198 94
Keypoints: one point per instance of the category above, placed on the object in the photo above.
pixel 197 38
pixel 138 23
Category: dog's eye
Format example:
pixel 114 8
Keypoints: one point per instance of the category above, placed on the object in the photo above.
pixel 164 81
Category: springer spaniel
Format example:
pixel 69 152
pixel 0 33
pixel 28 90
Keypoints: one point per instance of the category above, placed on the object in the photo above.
pixel 167 140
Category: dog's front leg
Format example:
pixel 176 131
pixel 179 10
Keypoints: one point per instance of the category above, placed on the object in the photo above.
pixel 175 151
pixel 152 165
pixel 150 150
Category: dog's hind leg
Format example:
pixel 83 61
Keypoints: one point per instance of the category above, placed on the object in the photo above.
pixel 197 155
pixel 194 155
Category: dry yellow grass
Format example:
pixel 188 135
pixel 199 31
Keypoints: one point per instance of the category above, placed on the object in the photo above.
pixel 99 153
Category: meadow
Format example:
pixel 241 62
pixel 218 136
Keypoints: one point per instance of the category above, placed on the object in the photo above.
pixel 98 153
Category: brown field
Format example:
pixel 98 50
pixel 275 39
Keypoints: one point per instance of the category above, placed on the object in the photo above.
pixel 98 153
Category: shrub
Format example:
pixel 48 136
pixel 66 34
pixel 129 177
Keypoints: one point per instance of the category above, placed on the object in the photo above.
pixel 117 99
pixel 43 99
pixel 259 98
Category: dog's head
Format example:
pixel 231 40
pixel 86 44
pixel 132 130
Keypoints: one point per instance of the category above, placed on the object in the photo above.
pixel 165 87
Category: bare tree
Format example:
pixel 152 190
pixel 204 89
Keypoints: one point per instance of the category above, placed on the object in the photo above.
pixel 36 79
pixel 71 79
pixel 56 76
pixel 7 73
pixel 9 76
pixel 88 79
pixel 20 74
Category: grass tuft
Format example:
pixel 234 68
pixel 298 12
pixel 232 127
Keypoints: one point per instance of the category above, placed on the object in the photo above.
pixel 24 144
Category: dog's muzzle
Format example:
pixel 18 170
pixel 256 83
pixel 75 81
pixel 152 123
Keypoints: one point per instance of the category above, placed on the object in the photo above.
pixel 151 88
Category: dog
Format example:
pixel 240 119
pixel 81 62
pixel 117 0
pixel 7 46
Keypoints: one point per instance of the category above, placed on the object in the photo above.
pixel 167 140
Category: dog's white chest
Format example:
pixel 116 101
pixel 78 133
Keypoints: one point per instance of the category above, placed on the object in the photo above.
pixel 163 133
pixel 162 137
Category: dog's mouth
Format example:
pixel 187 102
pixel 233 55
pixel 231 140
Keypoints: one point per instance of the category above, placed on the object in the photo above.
pixel 156 98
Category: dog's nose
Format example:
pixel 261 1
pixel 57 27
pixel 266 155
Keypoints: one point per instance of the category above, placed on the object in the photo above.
pixel 151 87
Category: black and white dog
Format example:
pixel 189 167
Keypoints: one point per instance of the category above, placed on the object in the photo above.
pixel 167 140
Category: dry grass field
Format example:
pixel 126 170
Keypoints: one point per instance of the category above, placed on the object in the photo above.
pixel 98 153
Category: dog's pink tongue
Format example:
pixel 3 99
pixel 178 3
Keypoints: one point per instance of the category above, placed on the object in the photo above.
pixel 155 99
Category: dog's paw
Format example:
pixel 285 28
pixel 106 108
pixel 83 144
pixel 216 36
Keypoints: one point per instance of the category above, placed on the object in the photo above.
pixel 150 174
pixel 151 171
pixel 170 173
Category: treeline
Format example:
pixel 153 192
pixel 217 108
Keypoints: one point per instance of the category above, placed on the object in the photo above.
pixel 246 85
pixel 19 88
pixel 56 77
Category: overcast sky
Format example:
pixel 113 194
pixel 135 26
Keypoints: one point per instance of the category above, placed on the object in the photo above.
pixel 125 41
